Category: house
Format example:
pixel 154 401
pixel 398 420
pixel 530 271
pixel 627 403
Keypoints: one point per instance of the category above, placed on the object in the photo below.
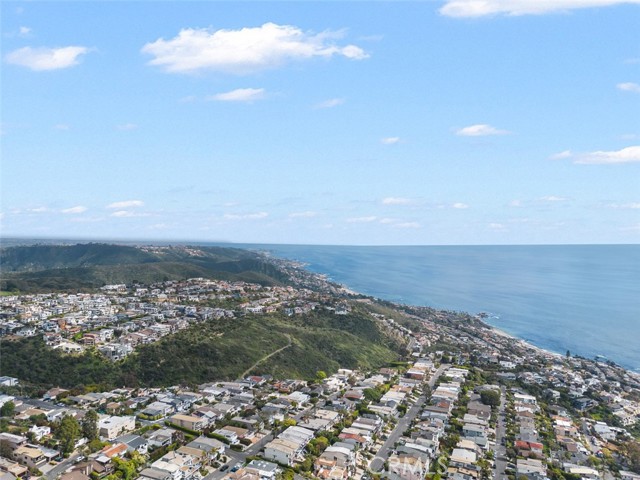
pixel 265 470
pixel 161 437
pixel 31 457
pixel 12 468
pixel 134 443
pixel 230 435
pixel 110 427
pixel 211 446
pixel 282 451
pixel 188 421
pixel 39 432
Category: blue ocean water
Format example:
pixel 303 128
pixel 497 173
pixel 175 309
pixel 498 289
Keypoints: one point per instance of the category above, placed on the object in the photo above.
pixel 582 298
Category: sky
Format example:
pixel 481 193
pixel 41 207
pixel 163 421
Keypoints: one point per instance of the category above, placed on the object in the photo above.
pixel 348 123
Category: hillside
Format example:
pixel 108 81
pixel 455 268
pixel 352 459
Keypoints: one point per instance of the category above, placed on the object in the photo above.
pixel 41 268
pixel 223 349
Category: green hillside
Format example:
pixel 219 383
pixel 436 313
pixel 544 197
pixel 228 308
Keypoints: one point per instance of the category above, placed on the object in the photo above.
pixel 222 349
pixel 42 268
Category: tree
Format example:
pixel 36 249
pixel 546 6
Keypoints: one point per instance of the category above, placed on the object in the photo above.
pixel 90 425
pixel 289 422
pixel 67 433
pixel 321 375
pixel 7 409
pixel 5 449
pixel 490 397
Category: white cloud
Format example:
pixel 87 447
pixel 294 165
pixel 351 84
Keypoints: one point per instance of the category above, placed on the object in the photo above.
pixel 128 214
pixel 386 221
pixel 44 58
pixel 460 205
pixel 244 51
pixel 480 130
pixel 239 95
pixel 396 201
pixel 515 203
pixel 481 8
pixel 61 126
pixel 390 140
pixel 246 216
pixel 496 226
pixel 362 219
pixel 626 155
pixel 561 155
pixel 74 210
pixel 632 205
pixel 125 127
pixel 407 225
pixel 307 214
pixel 332 102
pixel 24 31
pixel 553 198
pixel 38 210
pixel 629 87
pixel 125 204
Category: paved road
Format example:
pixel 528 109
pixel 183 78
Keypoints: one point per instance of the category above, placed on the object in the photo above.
pixel 501 450
pixel 383 454
pixel 62 466
pixel 240 457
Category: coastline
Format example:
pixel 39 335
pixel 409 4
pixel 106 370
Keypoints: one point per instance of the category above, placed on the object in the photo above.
pixel 325 277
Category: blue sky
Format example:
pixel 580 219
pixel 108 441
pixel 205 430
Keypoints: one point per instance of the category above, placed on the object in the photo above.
pixel 440 122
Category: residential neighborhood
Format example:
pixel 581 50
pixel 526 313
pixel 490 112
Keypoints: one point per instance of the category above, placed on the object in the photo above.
pixel 467 402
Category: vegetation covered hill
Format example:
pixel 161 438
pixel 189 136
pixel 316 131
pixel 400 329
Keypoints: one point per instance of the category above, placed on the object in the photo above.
pixel 214 350
pixel 41 268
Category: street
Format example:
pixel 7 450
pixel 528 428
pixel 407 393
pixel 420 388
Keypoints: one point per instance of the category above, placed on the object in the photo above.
pixel 501 450
pixel 403 423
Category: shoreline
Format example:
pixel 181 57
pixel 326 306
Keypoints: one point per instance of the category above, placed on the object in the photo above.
pixel 496 330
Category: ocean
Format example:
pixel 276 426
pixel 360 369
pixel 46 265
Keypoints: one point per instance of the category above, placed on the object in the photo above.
pixel 581 298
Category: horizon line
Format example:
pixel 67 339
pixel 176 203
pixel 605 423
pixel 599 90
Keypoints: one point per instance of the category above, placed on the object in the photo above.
pixel 151 241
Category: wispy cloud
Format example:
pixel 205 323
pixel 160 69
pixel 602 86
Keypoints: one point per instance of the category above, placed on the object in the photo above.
pixel 561 155
pixel 390 140
pixel 460 205
pixel 332 102
pixel 629 87
pixel 496 226
pixel 625 206
pixel 125 204
pixel 44 58
pixel 602 157
pixel 625 155
pixel 368 219
pixel 128 214
pixel 61 126
pixel 38 210
pixel 481 8
pixel 126 127
pixel 407 225
pixel 480 130
pixel 553 198
pixel 397 201
pixel 246 216
pixel 247 50
pixel 74 210
pixel 239 95
pixel 308 214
